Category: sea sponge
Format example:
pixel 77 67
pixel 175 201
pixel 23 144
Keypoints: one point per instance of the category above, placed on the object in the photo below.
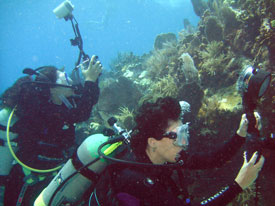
pixel 188 68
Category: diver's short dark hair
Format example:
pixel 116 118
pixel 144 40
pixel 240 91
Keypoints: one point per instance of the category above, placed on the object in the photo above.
pixel 49 74
pixel 152 120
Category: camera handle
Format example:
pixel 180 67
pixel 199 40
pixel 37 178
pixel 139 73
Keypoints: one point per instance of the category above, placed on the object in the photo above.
pixel 77 41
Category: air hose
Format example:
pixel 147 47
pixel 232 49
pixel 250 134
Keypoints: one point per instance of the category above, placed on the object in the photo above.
pixel 16 158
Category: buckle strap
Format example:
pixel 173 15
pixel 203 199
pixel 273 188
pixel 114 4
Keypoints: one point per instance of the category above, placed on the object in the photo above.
pixel 86 172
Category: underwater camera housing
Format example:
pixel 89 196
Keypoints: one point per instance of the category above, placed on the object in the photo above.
pixel 253 83
pixel 64 10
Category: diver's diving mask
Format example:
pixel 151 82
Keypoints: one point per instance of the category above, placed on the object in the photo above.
pixel 180 135
pixel 64 79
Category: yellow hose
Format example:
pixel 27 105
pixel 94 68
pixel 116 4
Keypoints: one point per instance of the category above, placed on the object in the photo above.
pixel 16 158
pixel 108 151
pixel 111 148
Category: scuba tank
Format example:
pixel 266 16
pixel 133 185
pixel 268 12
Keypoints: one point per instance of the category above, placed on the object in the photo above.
pixel 82 172
pixel 83 169
pixel 72 181
pixel 6 156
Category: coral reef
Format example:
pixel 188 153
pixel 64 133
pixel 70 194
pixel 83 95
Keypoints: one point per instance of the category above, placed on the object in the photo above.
pixel 213 29
pixel 193 94
pixel 209 111
pixel 219 66
pixel 161 39
pixel 120 92
pixel 126 117
pixel 199 6
pixel 162 62
pixel 229 16
pixel 119 65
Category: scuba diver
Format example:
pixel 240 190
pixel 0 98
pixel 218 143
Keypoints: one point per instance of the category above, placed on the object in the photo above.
pixel 161 139
pixel 42 132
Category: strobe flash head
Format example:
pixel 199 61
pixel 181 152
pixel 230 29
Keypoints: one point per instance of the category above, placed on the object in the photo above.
pixel 64 10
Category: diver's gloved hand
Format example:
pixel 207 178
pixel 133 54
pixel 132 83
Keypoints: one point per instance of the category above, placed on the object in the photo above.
pixel 93 71
pixel 258 121
pixel 249 171
pixel 242 131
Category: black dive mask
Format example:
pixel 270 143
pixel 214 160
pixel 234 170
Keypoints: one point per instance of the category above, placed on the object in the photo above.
pixel 63 80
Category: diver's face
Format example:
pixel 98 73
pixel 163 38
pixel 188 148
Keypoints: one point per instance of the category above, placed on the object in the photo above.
pixel 63 79
pixel 58 91
pixel 166 148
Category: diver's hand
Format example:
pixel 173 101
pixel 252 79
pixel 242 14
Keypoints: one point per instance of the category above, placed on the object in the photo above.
pixel 249 171
pixel 258 121
pixel 242 131
pixel 93 71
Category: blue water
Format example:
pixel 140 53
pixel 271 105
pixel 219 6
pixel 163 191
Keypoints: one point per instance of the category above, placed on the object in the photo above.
pixel 31 35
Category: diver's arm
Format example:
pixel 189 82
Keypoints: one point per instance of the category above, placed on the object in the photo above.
pixel 160 195
pixel 246 176
pixel 85 103
pixel 216 158
pixel 90 94
pixel 221 155
pixel 223 197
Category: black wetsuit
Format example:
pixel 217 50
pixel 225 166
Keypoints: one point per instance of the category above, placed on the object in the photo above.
pixel 137 185
pixel 46 134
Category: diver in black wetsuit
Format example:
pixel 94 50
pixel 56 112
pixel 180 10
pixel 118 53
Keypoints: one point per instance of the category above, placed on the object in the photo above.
pixel 161 138
pixel 47 109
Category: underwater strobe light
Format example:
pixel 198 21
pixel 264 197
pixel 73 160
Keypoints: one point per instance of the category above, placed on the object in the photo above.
pixel 64 10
